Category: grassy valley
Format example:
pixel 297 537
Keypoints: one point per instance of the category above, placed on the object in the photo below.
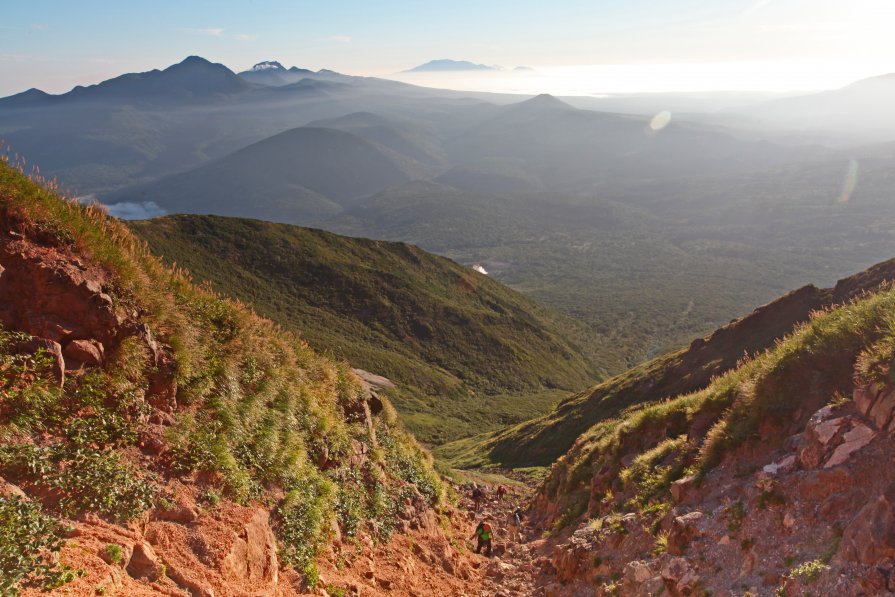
pixel 467 353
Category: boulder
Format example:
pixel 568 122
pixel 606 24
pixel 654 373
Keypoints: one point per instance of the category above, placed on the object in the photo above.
pixel 787 465
pixel 638 580
pixel 253 555
pixel 852 441
pixel 181 513
pixel 881 412
pixel 870 536
pixel 679 577
pixel 144 563
pixel 84 352
pixel 10 490
pixel 684 529
pixel 685 489
pixel 865 396
pixel 51 347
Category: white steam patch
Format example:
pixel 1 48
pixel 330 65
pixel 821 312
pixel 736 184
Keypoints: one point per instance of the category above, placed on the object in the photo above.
pixel 135 211
pixel 660 120
pixel 477 267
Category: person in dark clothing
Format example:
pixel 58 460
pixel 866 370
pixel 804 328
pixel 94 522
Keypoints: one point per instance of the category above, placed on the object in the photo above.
pixel 516 525
pixel 477 497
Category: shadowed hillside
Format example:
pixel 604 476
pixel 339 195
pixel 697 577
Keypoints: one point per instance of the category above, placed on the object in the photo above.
pixel 467 353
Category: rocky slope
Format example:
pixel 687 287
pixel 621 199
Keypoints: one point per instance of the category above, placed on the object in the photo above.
pixel 772 480
pixel 155 439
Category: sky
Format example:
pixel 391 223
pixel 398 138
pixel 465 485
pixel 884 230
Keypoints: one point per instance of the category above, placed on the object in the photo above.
pixel 583 47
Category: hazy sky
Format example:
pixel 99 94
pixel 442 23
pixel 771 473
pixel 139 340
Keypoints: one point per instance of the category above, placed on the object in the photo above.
pixel 595 46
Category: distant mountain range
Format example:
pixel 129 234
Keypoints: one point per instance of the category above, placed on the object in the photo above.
pixel 602 215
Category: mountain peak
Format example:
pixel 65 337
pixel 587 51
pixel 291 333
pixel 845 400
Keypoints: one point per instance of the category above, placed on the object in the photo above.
pixel 447 65
pixel 194 60
pixel 544 101
pixel 267 65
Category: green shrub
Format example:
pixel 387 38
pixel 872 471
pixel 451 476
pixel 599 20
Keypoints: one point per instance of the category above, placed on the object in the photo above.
pixel 808 572
pixel 115 553
pixel 90 481
pixel 100 482
pixel 28 541
pixel 303 519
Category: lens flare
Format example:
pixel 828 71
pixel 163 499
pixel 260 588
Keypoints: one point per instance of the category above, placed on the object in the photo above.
pixel 850 182
pixel 660 121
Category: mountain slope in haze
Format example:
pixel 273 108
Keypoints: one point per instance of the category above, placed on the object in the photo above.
pixel 447 65
pixel 129 394
pixel 573 150
pixel 467 353
pixel 414 140
pixel 300 175
pixel 541 441
pixel 859 111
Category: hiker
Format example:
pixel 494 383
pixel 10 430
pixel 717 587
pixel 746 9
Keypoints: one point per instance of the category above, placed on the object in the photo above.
pixel 477 496
pixel 516 525
pixel 501 491
pixel 483 535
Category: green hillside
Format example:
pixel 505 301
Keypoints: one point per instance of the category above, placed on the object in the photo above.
pixel 468 354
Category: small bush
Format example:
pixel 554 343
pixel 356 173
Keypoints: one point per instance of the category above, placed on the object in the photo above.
pixel 28 541
pixel 303 519
pixel 115 553
pixel 736 513
pixel 808 572
pixel 90 481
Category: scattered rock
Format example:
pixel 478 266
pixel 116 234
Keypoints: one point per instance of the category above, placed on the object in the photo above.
pixel 684 529
pixel 859 436
pixel 685 489
pixel 84 352
pixel 144 563
pixel 679 577
pixel 870 536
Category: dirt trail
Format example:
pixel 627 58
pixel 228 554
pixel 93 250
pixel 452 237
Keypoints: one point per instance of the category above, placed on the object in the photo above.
pixel 511 570
pixel 444 563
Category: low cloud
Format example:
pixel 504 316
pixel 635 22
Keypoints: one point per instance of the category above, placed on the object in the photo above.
pixel 244 37
pixel 479 268
pixel 135 211
pixel 342 39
